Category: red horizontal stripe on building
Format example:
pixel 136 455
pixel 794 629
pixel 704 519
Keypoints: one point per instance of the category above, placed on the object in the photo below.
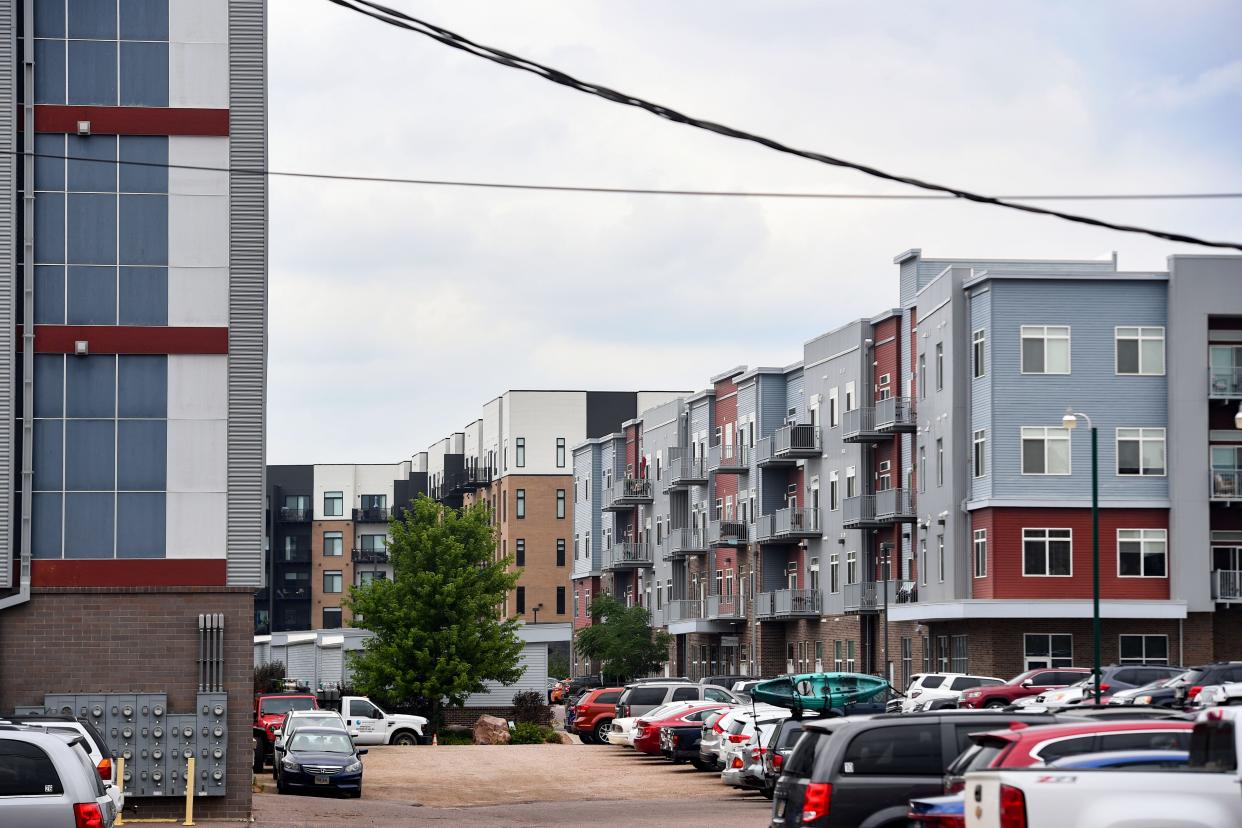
pixel 133 120
pixel 129 339
pixel 129 572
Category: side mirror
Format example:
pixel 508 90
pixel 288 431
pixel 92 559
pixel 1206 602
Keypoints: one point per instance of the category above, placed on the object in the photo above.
pixel 1029 683
pixel 362 752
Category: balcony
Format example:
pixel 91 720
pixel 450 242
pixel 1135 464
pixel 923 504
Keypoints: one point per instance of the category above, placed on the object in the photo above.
pixel 1227 585
pixel 370 556
pixel 788 603
pixel 627 493
pixel 295 514
pixel 896 415
pixel 726 608
pixel 788 526
pixel 295 593
pixel 727 533
pixel 1225 383
pixel 686 471
pixel 869 597
pixel 297 555
pixel 788 444
pixel 726 459
pixel 629 555
pixel 471 478
pixel 858 426
pixel 881 509
pixel 684 542
pixel 372 514
pixel 682 610
pixel 1226 484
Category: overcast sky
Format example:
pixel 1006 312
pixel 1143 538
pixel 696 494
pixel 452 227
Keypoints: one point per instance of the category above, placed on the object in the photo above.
pixel 397 311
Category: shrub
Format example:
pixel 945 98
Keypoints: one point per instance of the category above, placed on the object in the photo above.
pixel 529 706
pixel 453 737
pixel 528 733
pixel 268 677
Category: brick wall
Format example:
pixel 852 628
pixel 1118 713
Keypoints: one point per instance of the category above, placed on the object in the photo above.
pixel 320 564
pixel 139 640
pixel 540 530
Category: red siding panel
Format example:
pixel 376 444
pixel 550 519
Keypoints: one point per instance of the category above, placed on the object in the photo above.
pixel 147 572
pixel 133 120
pixel 129 339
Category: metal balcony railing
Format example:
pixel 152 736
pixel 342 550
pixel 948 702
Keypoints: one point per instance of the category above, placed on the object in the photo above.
pixel 727 533
pixel 372 514
pixel 297 555
pixel 293 514
pixel 686 471
pixel 293 593
pixel 1225 383
pixel 788 525
pixel 629 555
pixel 858 426
pixel 868 597
pixel 894 506
pixel 896 414
pixel 373 556
pixel 858 511
pixel 726 607
pixel 788 444
pixel 684 541
pixel 1226 484
pixel 1227 584
pixel 728 459
pixel 788 603
pixel 627 493
pixel 682 609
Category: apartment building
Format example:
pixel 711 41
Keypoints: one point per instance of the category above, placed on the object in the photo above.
pixel 327 530
pixel 135 304
pixel 906 496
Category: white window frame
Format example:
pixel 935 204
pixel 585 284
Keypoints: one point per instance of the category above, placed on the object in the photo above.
pixel 851 481
pixel 834 573
pixel 979 453
pixel 940 551
pixel 980 547
pixel 1144 537
pixel 1045 433
pixel 1143 436
pixel 834 490
pixel 1043 332
pixel 1047 539
pixel 939 366
pixel 1026 664
pixel 1144 661
pixel 851 396
pixel 834 408
pixel 923 560
pixel 939 461
pixel 1141 334
pixel 851 567
pixel 978 354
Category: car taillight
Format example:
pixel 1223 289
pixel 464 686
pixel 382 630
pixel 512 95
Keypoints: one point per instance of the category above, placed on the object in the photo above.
pixel 738 738
pixel 1104 688
pixel 777 760
pixel 625 712
pixel 1193 691
pixel 1012 807
pixel 676 740
pixel 87 815
pixel 815 801
pixel 580 710
pixel 736 763
pixel 105 769
pixel 716 728
pixel 756 753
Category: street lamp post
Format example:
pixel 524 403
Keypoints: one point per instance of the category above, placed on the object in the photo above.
pixel 1069 421
pixel 535 610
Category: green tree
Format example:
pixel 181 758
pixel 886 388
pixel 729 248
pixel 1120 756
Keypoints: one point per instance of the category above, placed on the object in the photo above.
pixel 437 633
pixel 622 638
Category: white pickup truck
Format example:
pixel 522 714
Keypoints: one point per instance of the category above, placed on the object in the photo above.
pixel 1208 794
pixel 371 726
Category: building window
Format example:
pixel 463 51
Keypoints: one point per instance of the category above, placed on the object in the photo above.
pixel 1042 651
pixel 577 605
pixel 942 653
pixel 560 600
pixel 921 380
pixel 838 662
pixel 981 553
pixel 921 471
pixel 940 547
pixel 923 560
pixel 851 482
pixel 834 573
pixel 978 353
pixel 560 504
pixel 1144 649
pixel 520 505
pixel 331 618
pixel 961 654
pixel 367 576
pixel 851 401
pixel 560 452
pixel 851 567
pixel 1140 351
pixel 849 655
pixel 833 418
pixel 333 543
pixel 939 461
pixel 560 551
pixel 981 452
pixel 521 600
pixel 1140 452
pixel 1045 450
pixel 577 546
pixel 834 500
pixel 814 571
pixel 907 661
pixel 333 504
pixel 1045 349
pixel 519 452
pixel 519 550
pixel 1047 552
pixel 728 583
pixel 1142 553
pixel 332 581
pixel 927 654
pixel 939 366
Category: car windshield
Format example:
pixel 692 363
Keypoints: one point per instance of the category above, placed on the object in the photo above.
pixel 280 706
pixel 321 742
pixel 1188 677
pixel 313 721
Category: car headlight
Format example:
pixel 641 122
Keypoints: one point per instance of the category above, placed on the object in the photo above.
pixel 353 767
pixel 1142 700
pixel 290 765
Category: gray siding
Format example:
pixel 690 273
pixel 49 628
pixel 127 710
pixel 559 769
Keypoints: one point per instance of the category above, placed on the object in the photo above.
pixel 980 388
pixel 794 397
pixel 586 507
pixel 247 289
pixel 771 404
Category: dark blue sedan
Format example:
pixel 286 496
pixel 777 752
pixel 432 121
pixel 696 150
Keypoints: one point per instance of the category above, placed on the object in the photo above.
pixel 319 758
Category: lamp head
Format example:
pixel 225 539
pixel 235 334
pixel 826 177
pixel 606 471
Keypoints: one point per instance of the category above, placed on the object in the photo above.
pixel 1069 421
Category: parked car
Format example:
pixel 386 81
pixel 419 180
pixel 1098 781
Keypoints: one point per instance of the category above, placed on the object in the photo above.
pixel 323 759
pixel 593 714
pixel 369 725
pixel 1020 748
pixel 578 685
pixel 927 687
pixel 1159 693
pixel 714 741
pixel 1113 678
pixel 640 698
pixel 1030 683
pixel 269 714
pixel 47 779
pixel 744 761
pixel 621 732
pixel 96 747
pixel 1196 678
pixel 937 812
pixel 726 682
pixel 1121 759
pixel 779 745
pixel 680 743
pixel 646 737
pixel 870 768
pixel 297 719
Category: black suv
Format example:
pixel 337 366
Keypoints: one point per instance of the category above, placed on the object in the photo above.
pixel 852 771
pixel 1196 678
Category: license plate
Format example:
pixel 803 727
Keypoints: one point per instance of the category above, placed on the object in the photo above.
pixel 780 808
pixel 321 780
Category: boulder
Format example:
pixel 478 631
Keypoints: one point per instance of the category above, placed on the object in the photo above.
pixel 490 730
pixel 565 739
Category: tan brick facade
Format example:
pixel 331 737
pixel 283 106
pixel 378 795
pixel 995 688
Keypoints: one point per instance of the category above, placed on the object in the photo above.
pixel 321 564
pixel 539 532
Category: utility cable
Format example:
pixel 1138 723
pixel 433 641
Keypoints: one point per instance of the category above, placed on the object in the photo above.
pixel 573 188
pixel 399 19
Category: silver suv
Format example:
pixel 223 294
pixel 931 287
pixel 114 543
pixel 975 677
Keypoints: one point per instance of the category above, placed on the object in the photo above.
pixel 47 780
pixel 643 697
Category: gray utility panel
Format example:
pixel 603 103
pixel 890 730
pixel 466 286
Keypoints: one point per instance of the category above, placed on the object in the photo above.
pixel 154 743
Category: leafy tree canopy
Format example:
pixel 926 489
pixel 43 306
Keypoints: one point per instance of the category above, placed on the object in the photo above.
pixel 622 638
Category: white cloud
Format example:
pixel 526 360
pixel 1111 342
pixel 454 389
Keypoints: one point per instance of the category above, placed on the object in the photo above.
pixel 1173 92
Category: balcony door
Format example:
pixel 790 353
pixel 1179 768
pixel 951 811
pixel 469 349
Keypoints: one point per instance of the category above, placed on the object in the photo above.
pixel 791 575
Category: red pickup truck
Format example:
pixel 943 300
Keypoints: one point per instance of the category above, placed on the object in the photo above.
pixel 269 715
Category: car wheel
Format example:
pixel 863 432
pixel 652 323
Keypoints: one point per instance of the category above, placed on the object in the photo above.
pixel 281 787
pixel 587 738
pixel 995 705
pixel 405 738
pixel 259 756
pixel 769 792
pixel 602 730
pixel 699 764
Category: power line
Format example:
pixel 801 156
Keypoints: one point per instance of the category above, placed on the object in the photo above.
pixel 399 19
pixel 575 188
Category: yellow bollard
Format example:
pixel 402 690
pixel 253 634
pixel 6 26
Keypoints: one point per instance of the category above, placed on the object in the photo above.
pixel 120 778
pixel 190 781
